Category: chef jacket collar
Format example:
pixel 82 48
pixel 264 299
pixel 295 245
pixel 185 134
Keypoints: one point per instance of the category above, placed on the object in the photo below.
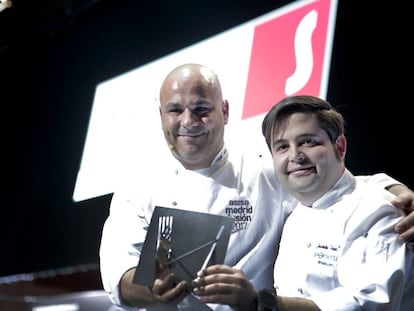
pixel 344 185
pixel 218 162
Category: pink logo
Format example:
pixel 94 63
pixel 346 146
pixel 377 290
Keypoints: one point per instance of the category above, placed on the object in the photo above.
pixel 288 56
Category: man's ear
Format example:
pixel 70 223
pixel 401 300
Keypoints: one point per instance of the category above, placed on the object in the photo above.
pixel 225 110
pixel 341 146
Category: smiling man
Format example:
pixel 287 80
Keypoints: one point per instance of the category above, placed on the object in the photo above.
pixel 347 256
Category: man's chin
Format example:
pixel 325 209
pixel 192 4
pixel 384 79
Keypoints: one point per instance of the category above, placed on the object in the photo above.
pixel 189 150
pixel 190 155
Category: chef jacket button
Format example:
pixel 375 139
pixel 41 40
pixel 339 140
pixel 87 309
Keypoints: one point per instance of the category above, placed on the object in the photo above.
pixel 309 244
pixel 176 172
pixel 174 203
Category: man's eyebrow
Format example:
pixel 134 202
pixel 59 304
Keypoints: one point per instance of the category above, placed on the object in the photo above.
pixel 172 104
pixel 278 141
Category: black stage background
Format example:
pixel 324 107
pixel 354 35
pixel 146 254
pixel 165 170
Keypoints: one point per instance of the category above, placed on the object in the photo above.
pixel 54 53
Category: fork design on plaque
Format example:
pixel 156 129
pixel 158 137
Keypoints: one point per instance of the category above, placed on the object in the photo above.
pixel 164 251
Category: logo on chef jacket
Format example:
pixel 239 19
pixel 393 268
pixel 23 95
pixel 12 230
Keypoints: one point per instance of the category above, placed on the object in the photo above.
pixel 289 55
pixel 327 255
pixel 241 211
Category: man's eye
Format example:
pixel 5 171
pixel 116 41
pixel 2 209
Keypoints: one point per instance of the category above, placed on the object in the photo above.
pixel 201 111
pixel 280 148
pixel 174 110
pixel 309 142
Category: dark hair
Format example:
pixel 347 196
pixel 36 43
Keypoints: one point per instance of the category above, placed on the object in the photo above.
pixel 329 119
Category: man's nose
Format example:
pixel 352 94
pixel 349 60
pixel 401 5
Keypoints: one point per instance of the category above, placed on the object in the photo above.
pixel 188 118
pixel 297 155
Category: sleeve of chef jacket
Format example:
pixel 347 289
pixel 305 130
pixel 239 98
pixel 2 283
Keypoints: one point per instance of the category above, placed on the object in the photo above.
pixel 381 179
pixel 121 231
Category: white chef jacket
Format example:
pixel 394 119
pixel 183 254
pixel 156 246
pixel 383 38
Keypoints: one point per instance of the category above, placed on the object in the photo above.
pixel 246 179
pixel 343 253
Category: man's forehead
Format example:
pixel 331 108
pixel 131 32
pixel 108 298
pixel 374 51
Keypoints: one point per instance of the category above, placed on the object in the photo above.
pixel 188 87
